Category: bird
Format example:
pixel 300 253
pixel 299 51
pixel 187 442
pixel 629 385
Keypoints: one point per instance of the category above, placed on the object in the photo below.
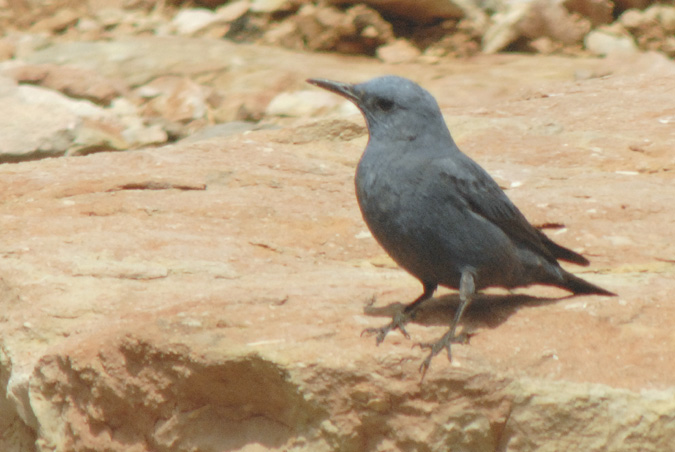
pixel 438 214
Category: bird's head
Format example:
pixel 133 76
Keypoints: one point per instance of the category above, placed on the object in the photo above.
pixel 394 107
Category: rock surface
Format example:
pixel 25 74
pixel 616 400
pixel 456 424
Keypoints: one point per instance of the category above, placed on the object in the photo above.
pixel 210 295
pixel 600 42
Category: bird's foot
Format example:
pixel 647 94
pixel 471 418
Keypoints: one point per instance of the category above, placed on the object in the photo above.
pixel 397 323
pixel 436 347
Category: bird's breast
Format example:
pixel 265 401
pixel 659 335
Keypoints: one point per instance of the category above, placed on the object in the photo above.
pixel 380 192
pixel 391 201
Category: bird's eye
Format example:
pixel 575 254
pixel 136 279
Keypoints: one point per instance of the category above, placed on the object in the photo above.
pixel 384 104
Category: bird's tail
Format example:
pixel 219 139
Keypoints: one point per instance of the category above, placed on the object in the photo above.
pixel 580 286
pixel 562 253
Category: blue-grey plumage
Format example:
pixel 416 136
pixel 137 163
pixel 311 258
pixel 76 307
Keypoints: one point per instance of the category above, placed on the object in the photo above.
pixel 436 212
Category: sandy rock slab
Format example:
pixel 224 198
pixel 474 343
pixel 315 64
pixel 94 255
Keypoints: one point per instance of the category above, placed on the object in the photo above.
pixel 210 295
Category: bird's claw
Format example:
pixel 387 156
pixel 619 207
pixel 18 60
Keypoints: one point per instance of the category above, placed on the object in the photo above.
pixel 438 346
pixel 397 323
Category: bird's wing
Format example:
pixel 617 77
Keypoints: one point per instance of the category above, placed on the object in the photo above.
pixel 484 197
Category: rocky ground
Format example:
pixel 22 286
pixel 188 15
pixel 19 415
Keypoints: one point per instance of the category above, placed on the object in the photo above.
pixel 204 287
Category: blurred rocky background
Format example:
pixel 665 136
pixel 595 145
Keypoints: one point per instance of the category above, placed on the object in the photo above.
pixel 183 266
pixel 108 93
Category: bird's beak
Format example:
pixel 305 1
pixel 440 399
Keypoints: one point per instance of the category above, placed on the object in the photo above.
pixel 343 89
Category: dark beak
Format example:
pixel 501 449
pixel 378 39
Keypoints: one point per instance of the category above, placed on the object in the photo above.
pixel 343 89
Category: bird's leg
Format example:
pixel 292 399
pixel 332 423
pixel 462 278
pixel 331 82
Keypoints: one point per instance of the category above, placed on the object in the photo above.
pixel 467 289
pixel 401 318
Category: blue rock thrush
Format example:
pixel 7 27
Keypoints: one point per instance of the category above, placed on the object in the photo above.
pixel 437 213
